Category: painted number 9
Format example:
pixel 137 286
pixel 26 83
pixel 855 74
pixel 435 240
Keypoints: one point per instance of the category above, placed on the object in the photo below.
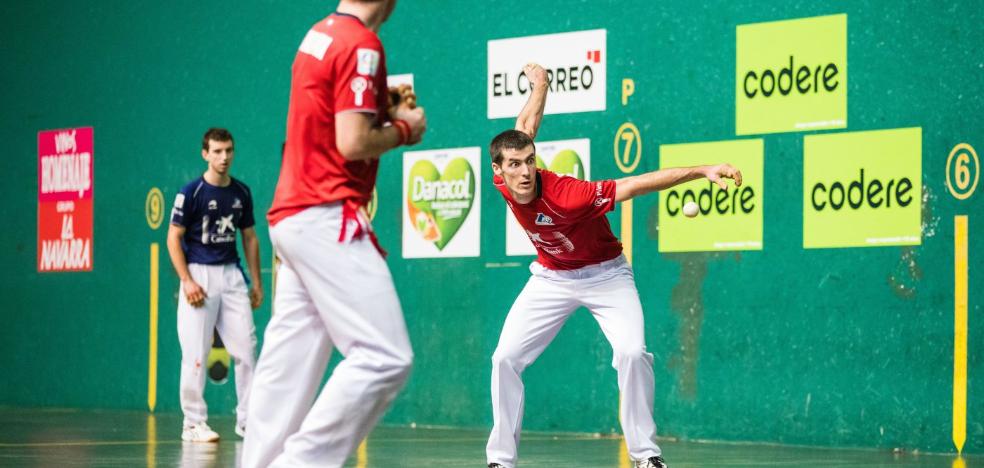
pixel 154 208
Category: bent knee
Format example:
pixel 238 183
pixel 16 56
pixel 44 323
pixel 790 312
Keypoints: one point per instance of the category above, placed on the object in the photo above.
pixel 405 363
pixel 508 357
pixel 400 364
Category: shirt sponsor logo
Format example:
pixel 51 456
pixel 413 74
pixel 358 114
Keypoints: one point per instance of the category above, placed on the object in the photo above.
pixel 213 205
pixel 237 205
pixel 543 220
pixel 600 200
pixel 225 224
pixel 559 243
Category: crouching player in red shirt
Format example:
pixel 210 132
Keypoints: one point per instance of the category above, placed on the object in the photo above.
pixel 579 264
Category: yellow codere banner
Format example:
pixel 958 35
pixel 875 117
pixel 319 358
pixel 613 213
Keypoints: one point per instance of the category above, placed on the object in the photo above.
pixel 727 219
pixel 791 75
pixel 862 189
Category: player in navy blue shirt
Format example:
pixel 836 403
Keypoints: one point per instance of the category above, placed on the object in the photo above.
pixel 208 212
pixel 211 215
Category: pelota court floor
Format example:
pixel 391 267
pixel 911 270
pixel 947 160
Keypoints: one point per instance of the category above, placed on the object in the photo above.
pixel 84 438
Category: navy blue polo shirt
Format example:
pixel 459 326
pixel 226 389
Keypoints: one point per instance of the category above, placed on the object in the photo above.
pixel 211 215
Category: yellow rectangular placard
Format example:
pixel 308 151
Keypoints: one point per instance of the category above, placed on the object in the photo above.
pixel 726 219
pixel 791 75
pixel 862 189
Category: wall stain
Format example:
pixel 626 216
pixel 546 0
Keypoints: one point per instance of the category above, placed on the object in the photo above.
pixel 907 273
pixel 686 301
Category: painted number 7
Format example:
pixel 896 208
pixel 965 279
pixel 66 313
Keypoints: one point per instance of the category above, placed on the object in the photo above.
pixel 628 156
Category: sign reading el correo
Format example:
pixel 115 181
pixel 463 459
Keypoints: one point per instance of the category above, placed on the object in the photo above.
pixel 65 176
pixel 575 65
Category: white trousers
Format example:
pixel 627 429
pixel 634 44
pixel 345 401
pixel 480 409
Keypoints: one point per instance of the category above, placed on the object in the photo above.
pixel 607 290
pixel 227 310
pixel 328 294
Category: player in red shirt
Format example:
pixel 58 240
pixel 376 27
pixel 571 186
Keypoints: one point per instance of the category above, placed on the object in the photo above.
pixel 579 264
pixel 333 287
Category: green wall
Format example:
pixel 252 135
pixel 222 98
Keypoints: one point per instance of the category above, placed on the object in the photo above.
pixel 846 347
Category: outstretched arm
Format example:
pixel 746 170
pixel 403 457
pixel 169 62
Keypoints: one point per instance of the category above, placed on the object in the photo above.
pixel 630 187
pixel 529 119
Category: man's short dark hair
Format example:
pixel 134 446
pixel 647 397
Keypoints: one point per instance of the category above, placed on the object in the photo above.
pixel 216 134
pixel 509 139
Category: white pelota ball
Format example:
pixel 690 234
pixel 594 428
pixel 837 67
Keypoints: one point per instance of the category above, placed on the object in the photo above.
pixel 690 209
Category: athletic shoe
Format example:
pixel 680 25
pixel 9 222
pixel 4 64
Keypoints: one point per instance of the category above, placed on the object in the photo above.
pixel 651 462
pixel 241 430
pixel 199 433
pixel 495 465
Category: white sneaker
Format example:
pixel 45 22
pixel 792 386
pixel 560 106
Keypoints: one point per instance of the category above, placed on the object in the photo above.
pixel 241 430
pixel 199 433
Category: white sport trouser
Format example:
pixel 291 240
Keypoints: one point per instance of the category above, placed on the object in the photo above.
pixel 607 290
pixel 227 310
pixel 328 294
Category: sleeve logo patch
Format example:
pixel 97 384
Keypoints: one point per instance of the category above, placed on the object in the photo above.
pixel 368 61
pixel 359 86
pixel 179 200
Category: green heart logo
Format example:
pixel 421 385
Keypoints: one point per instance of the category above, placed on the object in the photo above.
pixel 438 204
pixel 567 162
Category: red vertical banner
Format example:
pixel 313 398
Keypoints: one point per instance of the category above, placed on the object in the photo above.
pixel 65 180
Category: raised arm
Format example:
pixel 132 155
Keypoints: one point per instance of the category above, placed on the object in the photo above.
pixel 633 186
pixel 529 119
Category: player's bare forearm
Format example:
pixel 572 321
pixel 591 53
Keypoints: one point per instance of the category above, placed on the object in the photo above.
pixel 174 234
pixel 251 247
pixel 634 186
pixel 531 116
pixel 193 292
pixel 358 138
